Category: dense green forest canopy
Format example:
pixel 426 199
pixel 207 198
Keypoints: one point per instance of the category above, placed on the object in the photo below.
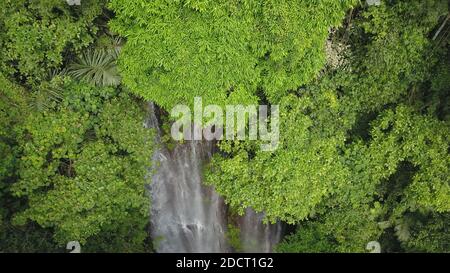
pixel 363 95
pixel 224 51
pixel 74 152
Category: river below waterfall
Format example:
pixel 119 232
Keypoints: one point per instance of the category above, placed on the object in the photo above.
pixel 187 216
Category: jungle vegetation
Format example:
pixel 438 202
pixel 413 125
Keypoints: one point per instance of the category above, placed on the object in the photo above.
pixel 363 94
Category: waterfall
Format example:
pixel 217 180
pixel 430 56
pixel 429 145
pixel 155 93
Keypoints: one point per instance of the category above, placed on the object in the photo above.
pixel 257 236
pixel 187 216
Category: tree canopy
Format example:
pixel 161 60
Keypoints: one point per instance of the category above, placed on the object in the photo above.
pixel 347 135
pixel 223 51
pixel 362 91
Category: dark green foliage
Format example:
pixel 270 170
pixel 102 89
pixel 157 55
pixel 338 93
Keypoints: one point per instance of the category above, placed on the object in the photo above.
pixel 308 239
pixel 12 109
pixel 74 156
pixel 329 177
pixel 364 131
pixel 233 236
pixel 37 34
pixel 83 164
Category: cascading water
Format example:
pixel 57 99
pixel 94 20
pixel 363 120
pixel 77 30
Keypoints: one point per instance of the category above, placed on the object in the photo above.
pixel 257 236
pixel 187 216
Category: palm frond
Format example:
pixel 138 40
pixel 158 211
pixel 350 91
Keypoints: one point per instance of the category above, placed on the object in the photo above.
pixel 97 67
pixel 53 73
pixel 46 97
pixel 116 46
